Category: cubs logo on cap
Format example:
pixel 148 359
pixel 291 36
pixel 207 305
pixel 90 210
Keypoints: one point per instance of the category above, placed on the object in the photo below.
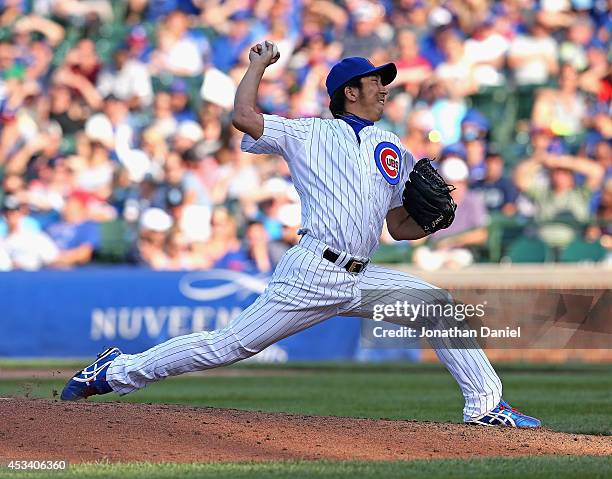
pixel 389 161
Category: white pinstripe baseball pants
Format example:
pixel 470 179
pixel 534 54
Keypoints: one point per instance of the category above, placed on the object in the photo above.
pixel 304 290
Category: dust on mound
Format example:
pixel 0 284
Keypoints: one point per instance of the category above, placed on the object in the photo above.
pixel 120 432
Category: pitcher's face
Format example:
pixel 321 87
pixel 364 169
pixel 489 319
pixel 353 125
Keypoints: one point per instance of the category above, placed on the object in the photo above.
pixel 372 97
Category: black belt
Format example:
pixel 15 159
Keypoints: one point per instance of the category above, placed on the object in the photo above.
pixel 353 265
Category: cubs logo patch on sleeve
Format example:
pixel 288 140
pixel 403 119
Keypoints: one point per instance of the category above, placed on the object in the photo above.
pixel 389 161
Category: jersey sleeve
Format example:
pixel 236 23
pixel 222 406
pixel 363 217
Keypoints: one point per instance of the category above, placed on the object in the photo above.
pixel 281 136
pixel 406 168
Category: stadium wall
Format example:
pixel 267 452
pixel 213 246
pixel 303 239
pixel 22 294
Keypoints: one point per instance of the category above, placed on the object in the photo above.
pixel 78 313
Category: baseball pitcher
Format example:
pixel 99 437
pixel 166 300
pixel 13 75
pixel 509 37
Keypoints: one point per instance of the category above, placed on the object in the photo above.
pixel 351 176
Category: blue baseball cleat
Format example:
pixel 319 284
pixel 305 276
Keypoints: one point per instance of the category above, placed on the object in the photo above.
pixel 505 415
pixel 92 379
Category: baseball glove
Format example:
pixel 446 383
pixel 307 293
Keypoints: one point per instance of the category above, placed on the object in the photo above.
pixel 427 198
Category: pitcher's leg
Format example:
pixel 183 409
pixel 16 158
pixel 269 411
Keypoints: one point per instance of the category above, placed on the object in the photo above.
pixel 298 296
pixel 464 359
pixel 268 320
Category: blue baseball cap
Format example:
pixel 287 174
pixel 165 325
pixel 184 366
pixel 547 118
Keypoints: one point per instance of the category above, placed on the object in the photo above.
pixel 455 149
pixel 178 86
pixel 476 119
pixel 354 67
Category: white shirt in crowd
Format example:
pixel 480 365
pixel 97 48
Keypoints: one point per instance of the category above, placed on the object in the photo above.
pixel 29 249
pixel 478 52
pixel 133 80
pixel 534 71
pixel 185 57
pixel 5 260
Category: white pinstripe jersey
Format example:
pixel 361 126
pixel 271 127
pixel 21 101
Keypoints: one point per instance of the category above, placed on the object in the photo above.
pixel 346 188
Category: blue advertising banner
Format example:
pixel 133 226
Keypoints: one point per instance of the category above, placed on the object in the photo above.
pixel 79 313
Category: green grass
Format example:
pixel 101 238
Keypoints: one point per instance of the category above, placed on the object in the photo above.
pixel 536 467
pixel 75 363
pixel 571 398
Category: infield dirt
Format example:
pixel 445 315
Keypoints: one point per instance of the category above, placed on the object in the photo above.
pixel 120 432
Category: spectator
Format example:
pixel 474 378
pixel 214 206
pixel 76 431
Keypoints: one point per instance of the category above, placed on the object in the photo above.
pixel 285 41
pixel 140 198
pixel 450 248
pixel 80 73
pixel 395 114
pixel 595 79
pixel 421 138
pixel 174 203
pixel 18 110
pixel 27 248
pixel 603 156
pixel 156 148
pixel 138 44
pixel 176 54
pixel 45 194
pixel 573 49
pixel 76 237
pixel 5 260
pixel 236 34
pixel 116 124
pixel 213 128
pixel 411 14
pixel 92 166
pixel 154 226
pixel 456 72
pixel 163 121
pixel 563 110
pixel 561 206
pixel 224 246
pixel 238 179
pixel 13 185
pixel 412 68
pixel 39 63
pixel 364 40
pixel 177 176
pixel 89 11
pixel 127 79
pixel 439 20
pixel 67 112
pixel 447 112
pixel 486 52
pixel 179 101
pixel 543 141
pixel 178 252
pixel 275 193
pixel 474 130
pixel 602 229
pixel 498 191
pixel 470 15
pixel 289 216
pixel 533 56
pixel 188 135
pixel 78 110
pixel 30 24
pixel 38 152
pixel 257 242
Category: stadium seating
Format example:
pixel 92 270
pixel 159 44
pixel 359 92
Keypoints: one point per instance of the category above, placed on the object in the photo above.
pixel 580 250
pixel 114 242
pixel 393 253
pixel 529 250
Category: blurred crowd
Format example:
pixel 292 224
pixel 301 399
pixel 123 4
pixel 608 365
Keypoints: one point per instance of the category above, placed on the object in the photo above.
pixel 116 142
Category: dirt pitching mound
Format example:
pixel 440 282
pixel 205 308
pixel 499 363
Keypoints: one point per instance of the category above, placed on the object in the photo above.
pixel 120 432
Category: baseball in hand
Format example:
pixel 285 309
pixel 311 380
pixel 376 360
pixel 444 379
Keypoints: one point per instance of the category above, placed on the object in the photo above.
pixel 268 44
pixel 263 47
